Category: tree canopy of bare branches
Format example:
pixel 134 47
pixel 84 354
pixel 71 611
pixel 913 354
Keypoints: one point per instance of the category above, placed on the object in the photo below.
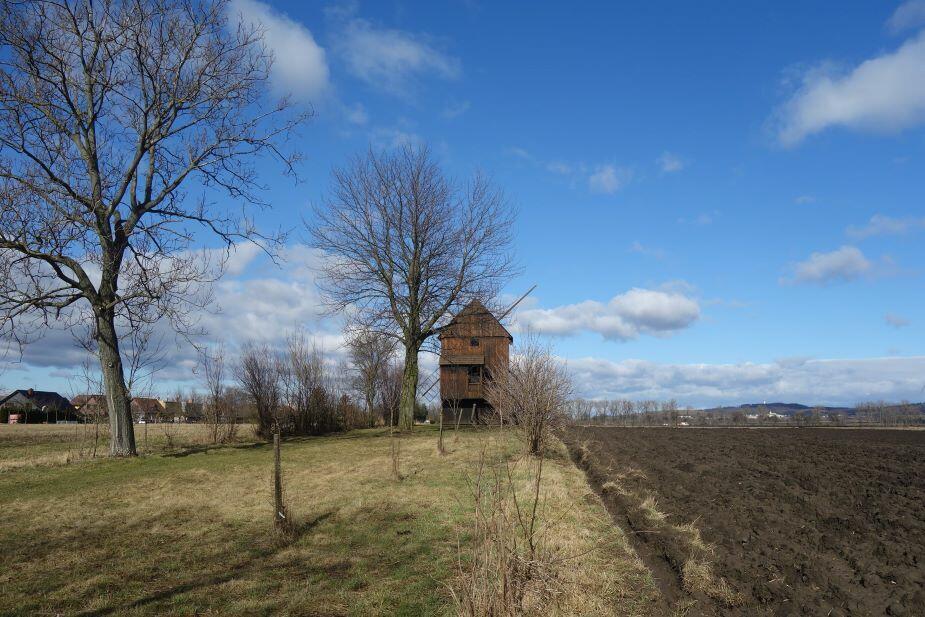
pixel 533 393
pixel 371 352
pixel 406 246
pixel 258 372
pixel 217 409
pixel 109 111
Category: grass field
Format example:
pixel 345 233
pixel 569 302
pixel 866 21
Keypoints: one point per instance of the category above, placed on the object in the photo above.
pixel 187 528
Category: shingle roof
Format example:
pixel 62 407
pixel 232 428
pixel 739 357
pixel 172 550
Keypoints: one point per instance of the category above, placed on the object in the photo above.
pixel 41 398
pixel 475 320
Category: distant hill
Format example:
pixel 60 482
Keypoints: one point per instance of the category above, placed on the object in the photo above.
pixel 790 409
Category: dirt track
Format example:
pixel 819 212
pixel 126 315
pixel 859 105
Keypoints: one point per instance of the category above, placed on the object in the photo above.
pixel 803 521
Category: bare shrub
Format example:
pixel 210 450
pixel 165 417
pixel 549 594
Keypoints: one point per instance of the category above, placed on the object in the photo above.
pixel 512 569
pixel 314 393
pixel 217 410
pixel 258 372
pixel 169 430
pixel 371 352
pixel 298 391
pixel 532 393
pixel 390 394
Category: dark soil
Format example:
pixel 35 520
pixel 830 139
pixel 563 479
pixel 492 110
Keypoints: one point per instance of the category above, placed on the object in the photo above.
pixel 804 521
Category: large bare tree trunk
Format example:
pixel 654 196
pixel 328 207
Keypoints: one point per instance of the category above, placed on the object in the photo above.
pixel 409 389
pixel 370 408
pixel 122 439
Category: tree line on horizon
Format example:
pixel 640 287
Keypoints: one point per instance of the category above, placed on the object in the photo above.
pixel 650 412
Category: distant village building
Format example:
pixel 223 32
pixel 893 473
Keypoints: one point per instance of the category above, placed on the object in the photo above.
pixel 473 347
pixel 91 406
pixel 148 409
pixel 156 410
pixel 36 406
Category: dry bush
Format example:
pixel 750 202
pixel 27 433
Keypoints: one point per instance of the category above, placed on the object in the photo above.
pixel 512 568
pixel 169 429
pixel 371 353
pixel 315 393
pixel 217 409
pixel 390 393
pixel 258 372
pixel 532 393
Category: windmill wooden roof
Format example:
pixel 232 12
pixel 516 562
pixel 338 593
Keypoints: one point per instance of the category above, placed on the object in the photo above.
pixel 475 320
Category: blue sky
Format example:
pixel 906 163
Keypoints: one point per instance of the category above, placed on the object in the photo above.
pixel 719 202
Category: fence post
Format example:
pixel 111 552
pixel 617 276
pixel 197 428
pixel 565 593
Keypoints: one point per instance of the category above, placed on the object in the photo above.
pixel 279 516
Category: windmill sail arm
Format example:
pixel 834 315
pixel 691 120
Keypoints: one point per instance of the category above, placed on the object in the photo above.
pixel 513 306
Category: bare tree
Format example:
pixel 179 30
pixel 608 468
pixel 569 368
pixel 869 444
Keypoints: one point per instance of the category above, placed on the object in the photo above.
pixel 533 393
pixel 407 245
pixel 108 109
pixel 217 406
pixel 390 393
pixel 259 375
pixel 85 384
pixel 370 353
pixel 670 410
pixel 307 388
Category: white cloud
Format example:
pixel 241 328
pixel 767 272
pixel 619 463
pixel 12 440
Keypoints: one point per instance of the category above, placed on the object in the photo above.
pixel 701 220
pixel 299 64
pixel 624 317
pixel 907 16
pixel 520 153
pixel 804 200
pixel 455 109
pixel 391 137
pixel 831 382
pixel 897 321
pixel 670 163
pixel 880 225
pixel 392 60
pixel 256 301
pixel 640 248
pixel 558 167
pixel 884 94
pixel 844 264
pixel 240 256
pixel 609 179
pixel 356 114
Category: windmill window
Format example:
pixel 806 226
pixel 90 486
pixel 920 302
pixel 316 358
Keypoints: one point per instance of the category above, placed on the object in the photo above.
pixel 473 342
pixel 475 375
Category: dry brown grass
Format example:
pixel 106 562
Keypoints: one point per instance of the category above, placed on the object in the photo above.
pixel 533 552
pixel 40 445
pixel 190 531
pixel 693 555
